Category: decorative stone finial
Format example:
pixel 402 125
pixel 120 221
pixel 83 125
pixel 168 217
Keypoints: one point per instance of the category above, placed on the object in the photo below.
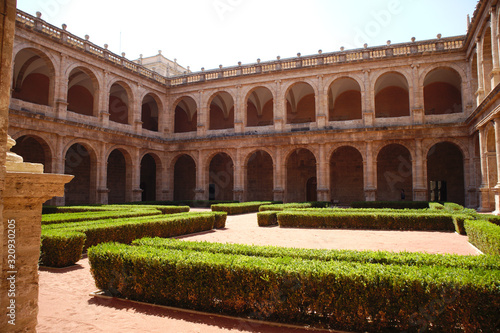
pixel 175 60
pixel 413 39
pixel 140 56
pixel 298 54
pixel 278 57
pixel 87 37
pixel 38 14
pixel 123 54
pixel 14 162
pixel 64 26
pixel 320 51
pixel 159 51
pixel 439 36
pixel 258 60
pixel 365 45
pixel 388 42
pixel 342 48
pixel 203 69
pixel 239 63
pixel 106 46
pixel 220 66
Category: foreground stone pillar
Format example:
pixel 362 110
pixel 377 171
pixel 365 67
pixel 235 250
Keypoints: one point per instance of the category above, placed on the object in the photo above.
pixel 26 189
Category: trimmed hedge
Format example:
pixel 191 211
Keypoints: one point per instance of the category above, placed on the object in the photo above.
pixel 484 235
pixel 380 221
pixel 391 204
pixel 329 294
pixel 280 207
pixel 220 220
pixel 61 248
pixel 368 257
pixel 97 215
pixel 190 203
pixel 240 208
pixel 58 249
pixel 267 218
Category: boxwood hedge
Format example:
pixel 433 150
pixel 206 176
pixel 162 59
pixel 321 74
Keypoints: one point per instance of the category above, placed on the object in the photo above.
pixel 331 294
pixel 484 235
pixel 240 208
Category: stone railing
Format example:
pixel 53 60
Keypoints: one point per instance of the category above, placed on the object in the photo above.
pixel 343 56
pixel 38 25
pixel 373 53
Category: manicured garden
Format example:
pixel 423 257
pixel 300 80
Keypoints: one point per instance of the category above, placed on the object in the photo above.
pixel 135 258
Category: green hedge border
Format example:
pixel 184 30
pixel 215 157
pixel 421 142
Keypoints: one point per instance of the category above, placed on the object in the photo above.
pixel 240 208
pixel 484 235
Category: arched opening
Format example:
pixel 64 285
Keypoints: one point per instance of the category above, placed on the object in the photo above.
pixel 78 163
pixel 149 113
pixel 394 173
pixel 222 111
pixel 116 177
pixel 185 116
pixel 34 150
pixel 392 97
pixel 221 178
pixel 442 92
pixel 118 104
pixel 445 173
pixel 184 178
pixel 148 178
pixel 32 79
pixel 260 178
pixel 300 104
pixel 346 176
pixel 487 60
pixel 344 100
pixel 81 93
pixel 260 106
pixel 300 169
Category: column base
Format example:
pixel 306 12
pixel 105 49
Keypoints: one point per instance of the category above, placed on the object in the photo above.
pixel 371 194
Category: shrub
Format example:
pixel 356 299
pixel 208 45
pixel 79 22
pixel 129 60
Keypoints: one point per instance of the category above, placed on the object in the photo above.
pixel 61 248
pixel 267 218
pixel 391 204
pixel 484 235
pixel 280 207
pixel 380 221
pixel 220 220
pixel 239 208
pixel 97 215
pixel 123 230
pixel 332 294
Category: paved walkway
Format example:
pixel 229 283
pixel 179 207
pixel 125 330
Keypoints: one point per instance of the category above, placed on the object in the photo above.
pixel 66 306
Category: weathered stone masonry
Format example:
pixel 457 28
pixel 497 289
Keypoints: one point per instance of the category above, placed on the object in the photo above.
pixel 351 125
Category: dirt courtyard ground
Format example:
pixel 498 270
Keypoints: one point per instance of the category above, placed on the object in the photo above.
pixel 65 304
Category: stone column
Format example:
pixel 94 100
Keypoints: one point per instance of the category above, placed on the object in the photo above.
pixel 135 193
pixel 239 177
pixel 419 181
pixel 102 175
pixel 279 108
pixel 370 173
pixel 480 71
pixel 417 101
pixel 323 189
pixel 60 89
pixel 495 73
pixel 368 100
pixel 239 111
pixel 201 191
pixel 26 189
pixel 484 189
pixel 279 175
pixel 496 189
pixel 321 105
pixel 203 118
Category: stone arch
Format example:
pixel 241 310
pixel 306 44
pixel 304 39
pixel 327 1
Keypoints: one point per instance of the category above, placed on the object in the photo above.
pixel 487 59
pixel 301 175
pixel 300 99
pixel 445 172
pixel 185 115
pixel 184 166
pixel 83 91
pixel 119 175
pixel 120 102
pixel 259 107
pixel 34 148
pixel 392 97
pixel 394 172
pixel 346 175
pixel 344 100
pixel 151 107
pixel 150 169
pixel 221 177
pixel 33 77
pixel 259 176
pixel 442 91
pixel 221 111
pixel 80 160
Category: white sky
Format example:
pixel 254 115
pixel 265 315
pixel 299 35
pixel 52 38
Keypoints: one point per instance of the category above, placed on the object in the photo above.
pixel 207 33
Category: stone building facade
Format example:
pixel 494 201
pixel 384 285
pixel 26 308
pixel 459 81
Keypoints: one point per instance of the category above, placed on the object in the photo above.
pixel 364 124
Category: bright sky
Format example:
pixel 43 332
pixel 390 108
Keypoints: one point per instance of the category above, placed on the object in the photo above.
pixel 207 33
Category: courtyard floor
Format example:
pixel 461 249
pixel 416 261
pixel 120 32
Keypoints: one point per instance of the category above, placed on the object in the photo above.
pixel 65 304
